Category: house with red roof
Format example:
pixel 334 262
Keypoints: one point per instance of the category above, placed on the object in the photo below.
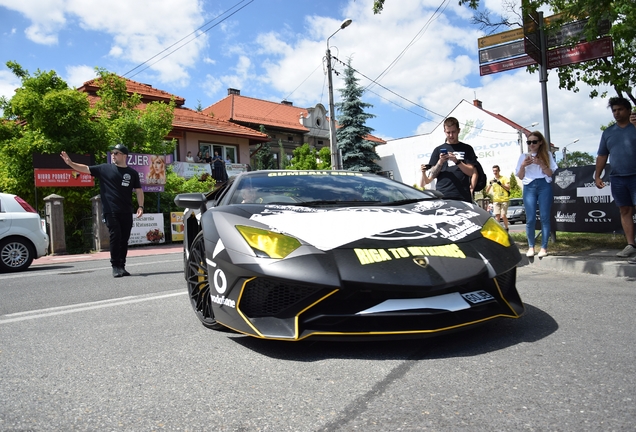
pixel 194 131
pixel 286 125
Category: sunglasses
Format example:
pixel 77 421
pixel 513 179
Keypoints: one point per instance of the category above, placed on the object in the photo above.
pixel 533 142
pixel 117 153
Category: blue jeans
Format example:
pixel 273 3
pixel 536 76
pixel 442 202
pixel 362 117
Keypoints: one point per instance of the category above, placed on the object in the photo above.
pixel 539 191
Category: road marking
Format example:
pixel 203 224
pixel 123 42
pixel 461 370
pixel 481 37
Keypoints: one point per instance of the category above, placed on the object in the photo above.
pixel 82 307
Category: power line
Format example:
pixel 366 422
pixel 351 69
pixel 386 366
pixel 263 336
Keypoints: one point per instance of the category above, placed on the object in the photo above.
pixel 187 36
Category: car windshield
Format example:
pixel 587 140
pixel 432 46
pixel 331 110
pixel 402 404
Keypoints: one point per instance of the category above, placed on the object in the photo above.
pixel 516 202
pixel 322 188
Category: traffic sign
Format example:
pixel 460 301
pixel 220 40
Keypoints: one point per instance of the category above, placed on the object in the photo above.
pixel 499 52
pixel 505 65
pixel 499 38
pixel 567 32
pixel 581 52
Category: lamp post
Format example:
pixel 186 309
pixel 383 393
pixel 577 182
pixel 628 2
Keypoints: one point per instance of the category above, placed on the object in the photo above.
pixel 565 154
pixel 521 136
pixel 336 162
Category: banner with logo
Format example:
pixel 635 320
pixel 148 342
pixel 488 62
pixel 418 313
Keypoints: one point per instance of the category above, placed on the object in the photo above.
pixel 62 178
pixel 148 229
pixel 188 169
pixel 151 169
pixel 579 206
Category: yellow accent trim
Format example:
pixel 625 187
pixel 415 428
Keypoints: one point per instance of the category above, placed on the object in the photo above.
pixel 296 337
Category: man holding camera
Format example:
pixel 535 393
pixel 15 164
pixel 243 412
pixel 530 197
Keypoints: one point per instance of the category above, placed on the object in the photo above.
pixel 500 187
pixel 452 165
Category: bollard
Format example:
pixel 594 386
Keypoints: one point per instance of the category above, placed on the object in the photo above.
pixel 55 221
pixel 101 237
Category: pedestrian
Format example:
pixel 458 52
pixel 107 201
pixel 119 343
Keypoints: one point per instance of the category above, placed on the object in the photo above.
pixel 500 187
pixel 452 165
pixel 189 157
pixel 117 182
pixel 619 141
pixel 535 169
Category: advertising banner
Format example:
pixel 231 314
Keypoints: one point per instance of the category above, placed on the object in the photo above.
pixel 147 229
pixel 579 206
pixel 188 170
pixel 176 226
pixel 61 178
pixel 151 169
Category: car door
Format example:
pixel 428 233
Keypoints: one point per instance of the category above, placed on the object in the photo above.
pixel 5 218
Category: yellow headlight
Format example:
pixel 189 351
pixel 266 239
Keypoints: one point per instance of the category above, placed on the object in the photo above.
pixel 275 245
pixel 495 232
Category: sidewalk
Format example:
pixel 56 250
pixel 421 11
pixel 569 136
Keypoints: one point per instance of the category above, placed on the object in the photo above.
pixel 598 262
pixel 603 262
pixel 132 252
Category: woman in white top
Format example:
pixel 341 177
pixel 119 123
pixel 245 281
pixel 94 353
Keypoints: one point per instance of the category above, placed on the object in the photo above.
pixel 535 169
pixel 189 157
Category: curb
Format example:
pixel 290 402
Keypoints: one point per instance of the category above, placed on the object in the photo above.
pixel 589 264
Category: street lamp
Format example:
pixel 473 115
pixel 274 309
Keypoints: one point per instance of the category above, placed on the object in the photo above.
pixel 336 162
pixel 565 154
pixel 521 135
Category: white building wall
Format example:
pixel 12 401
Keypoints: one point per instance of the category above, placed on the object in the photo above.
pixel 495 143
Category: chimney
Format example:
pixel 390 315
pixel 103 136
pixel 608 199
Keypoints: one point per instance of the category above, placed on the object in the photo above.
pixel 287 103
pixel 477 103
pixel 232 91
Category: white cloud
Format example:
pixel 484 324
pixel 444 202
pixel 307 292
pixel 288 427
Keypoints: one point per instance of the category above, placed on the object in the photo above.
pixel 78 75
pixel 8 83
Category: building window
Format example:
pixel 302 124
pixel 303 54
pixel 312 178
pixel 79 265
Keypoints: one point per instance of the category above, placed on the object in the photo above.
pixel 290 138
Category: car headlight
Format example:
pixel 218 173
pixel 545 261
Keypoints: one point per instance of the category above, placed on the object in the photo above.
pixel 495 232
pixel 274 245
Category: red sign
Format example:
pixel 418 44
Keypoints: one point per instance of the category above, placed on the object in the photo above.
pixel 62 178
pixel 505 65
pixel 580 52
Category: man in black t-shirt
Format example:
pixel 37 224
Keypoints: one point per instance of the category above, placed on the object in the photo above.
pixel 117 181
pixel 452 164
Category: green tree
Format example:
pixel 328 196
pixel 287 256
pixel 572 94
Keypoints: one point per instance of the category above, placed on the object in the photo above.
pixel 515 189
pixel 617 71
pixel 47 116
pixel 307 158
pixel 577 159
pixel 358 153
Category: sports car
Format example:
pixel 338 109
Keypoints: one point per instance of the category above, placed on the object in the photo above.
pixel 291 255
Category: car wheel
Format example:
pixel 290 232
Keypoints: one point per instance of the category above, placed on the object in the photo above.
pixel 196 273
pixel 16 254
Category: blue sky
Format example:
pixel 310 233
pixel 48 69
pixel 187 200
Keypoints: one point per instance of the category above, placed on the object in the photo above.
pixel 424 50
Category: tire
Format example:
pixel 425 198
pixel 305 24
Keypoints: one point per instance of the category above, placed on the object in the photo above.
pixel 196 273
pixel 16 254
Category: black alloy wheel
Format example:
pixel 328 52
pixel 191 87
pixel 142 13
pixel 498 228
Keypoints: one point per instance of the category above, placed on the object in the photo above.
pixel 196 273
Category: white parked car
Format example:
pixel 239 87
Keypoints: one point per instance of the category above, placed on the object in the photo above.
pixel 22 234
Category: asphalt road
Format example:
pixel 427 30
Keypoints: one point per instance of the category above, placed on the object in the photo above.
pixel 80 350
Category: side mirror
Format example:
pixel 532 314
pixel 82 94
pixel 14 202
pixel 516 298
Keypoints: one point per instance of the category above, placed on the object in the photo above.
pixel 191 201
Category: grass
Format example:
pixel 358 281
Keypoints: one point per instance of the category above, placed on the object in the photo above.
pixel 568 243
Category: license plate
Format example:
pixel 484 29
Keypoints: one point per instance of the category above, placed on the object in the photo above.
pixel 477 297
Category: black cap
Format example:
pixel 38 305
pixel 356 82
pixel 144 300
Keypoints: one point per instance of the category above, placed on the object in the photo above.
pixel 120 147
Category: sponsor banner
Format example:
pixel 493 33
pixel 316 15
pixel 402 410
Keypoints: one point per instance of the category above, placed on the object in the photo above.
pixel 188 170
pixel 147 229
pixel 151 169
pixel 176 226
pixel 579 206
pixel 61 178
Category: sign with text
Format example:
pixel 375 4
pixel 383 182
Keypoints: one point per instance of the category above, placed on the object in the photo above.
pixel 62 178
pixel 512 49
pixel 148 229
pixel 176 226
pixel 151 169
pixel 499 38
pixel 579 206
pixel 505 65
pixel 581 52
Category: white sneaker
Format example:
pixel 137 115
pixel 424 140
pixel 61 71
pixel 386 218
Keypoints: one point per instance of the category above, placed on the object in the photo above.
pixel 627 252
pixel 530 253
pixel 542 253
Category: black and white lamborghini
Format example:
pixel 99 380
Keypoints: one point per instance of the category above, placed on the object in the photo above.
pixel 291 255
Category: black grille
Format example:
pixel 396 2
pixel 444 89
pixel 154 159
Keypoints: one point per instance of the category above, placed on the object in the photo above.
pixel 267 297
